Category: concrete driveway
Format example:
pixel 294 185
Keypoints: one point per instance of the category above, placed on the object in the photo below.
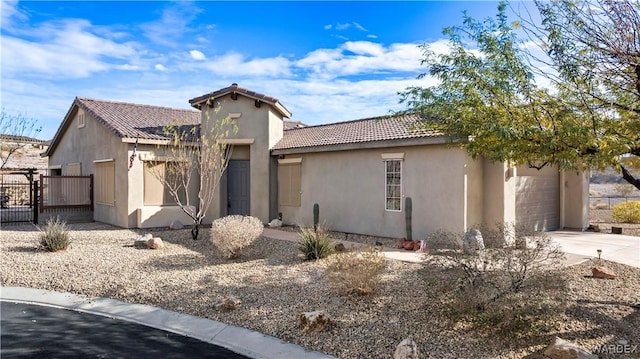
pixel 584 245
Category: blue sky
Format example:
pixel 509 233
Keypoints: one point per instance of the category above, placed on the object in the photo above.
pixel 325 61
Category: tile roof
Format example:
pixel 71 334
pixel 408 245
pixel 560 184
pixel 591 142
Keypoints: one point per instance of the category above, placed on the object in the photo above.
pixel 133 120
pixel 234 89
pixel 374 129
pixel 290 125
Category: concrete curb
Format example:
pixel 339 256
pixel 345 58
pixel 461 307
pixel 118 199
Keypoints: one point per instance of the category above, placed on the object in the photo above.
pixel 240 340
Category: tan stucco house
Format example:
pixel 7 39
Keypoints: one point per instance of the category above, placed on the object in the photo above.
pixel 359 172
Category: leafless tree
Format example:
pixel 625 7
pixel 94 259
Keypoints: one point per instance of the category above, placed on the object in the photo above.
pixel 15 132
pixel 194 154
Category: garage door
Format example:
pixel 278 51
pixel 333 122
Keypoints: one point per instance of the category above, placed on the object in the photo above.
pixel 538 198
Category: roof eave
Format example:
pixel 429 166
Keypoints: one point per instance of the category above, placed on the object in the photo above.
pixel 61 129
pixel 403 142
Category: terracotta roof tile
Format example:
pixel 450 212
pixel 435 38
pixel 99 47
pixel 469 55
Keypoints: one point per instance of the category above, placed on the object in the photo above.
pixel 235 89
pixel 290 125
pixel 358 131
pixel 133 120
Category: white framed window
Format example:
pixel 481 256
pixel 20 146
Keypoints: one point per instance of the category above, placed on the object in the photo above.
pixel 393 185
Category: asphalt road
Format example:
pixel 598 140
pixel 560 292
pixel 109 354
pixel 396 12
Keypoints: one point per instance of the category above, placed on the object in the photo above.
pixel 32 331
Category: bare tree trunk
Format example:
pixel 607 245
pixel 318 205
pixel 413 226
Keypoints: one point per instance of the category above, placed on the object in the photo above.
pixel 195 231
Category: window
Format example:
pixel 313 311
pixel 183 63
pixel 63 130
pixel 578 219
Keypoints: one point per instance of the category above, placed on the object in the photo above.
pixel 74 169
pixel 393 185
pixel 105 182
pixel 155 192
pixel 289 182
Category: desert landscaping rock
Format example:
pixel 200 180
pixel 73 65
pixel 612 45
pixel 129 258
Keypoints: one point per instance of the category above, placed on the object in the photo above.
pixel 316 321
pixel 227 304
pixel 472 241
pixel 564 349
pixel 276 285
pixel 155 243
pixel 141 242
pixel 407 349
pixel 603 272
pixel 275 223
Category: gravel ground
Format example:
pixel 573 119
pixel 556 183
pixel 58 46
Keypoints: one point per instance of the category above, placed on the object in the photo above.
pixel 276 285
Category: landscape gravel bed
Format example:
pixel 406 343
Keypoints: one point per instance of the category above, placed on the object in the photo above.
pixel 275 285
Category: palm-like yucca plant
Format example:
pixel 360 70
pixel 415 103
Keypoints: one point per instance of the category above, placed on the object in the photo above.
pixel 315 244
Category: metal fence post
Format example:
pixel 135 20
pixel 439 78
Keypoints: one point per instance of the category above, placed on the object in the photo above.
pixel 35 201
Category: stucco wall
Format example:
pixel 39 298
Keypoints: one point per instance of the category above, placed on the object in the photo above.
pixel 474 178
pixel 86 145
pixel 574 203
pixel 499 188
pixel 137 213
pixel 349 188
pixel 264 127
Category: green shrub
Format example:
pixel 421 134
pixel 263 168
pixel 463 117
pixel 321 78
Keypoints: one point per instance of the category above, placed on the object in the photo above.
pixel 627 212
pixel 315 244
pixel 231 234
pixel 355 272
pixel 55 236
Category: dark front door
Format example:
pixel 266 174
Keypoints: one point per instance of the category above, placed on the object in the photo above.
pixel 238 187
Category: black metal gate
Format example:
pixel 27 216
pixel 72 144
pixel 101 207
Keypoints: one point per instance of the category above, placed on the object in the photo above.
pixel 18 193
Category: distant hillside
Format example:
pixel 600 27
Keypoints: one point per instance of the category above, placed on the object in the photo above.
pixel 28 156
pixel 606 176
pixel 21 139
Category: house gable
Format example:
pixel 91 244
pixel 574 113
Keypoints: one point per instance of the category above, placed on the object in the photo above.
pixel 233 92
pixel 125 120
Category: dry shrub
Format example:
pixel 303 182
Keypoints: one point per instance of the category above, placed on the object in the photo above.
pixel 55 236
pixel 600 205
pixel 355 272
pixel 315 244
pixel 627 212
pixel 231 234
pixel 441 240
pixel 511 290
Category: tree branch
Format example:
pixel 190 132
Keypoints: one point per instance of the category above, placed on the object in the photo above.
pixel 630 178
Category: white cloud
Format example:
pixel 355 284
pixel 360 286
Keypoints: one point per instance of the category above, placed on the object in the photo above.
pixel 362 57
pixel 328 27
pixel 66 49
pixel 173 24
pixel 197 55
pixel 10 12
pixel 160 67
pixel 235 64
pixel 359 27
pixel 341 27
